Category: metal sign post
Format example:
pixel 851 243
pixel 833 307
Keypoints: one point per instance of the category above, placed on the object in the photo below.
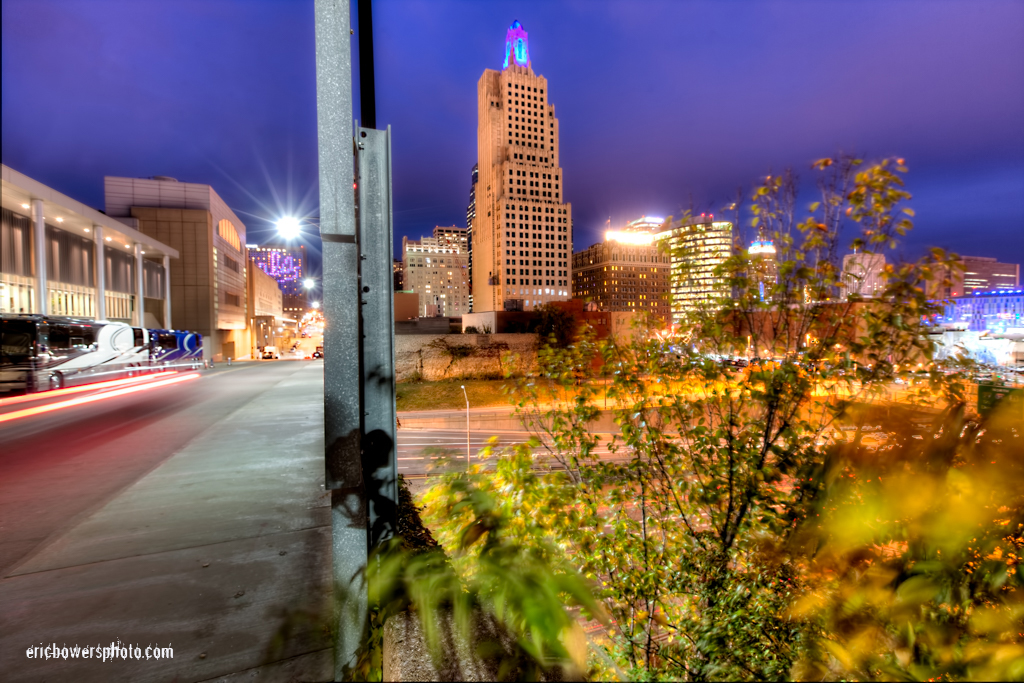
pixel 377 344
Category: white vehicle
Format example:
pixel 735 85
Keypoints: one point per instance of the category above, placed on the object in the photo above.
pixel 269 352
pixel 53 352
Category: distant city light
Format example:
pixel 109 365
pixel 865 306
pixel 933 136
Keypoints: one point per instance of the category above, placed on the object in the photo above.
pixel 648 220
pixel 289 227
pixel 761 247
pixel 284 265
pixel 629 237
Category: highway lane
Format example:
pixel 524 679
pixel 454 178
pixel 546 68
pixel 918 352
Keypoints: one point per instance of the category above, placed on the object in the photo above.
pixel 57 468
pixel 419 450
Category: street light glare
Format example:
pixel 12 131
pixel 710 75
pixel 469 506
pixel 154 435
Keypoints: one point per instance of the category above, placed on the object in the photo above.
pixel 308 283
pixel 316 304
pixel 288 227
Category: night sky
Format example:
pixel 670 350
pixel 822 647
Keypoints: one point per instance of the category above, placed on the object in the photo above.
pixel 662 105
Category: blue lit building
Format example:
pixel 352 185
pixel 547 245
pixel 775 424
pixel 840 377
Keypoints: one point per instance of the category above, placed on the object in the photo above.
pixel 287 265
pixel 998 312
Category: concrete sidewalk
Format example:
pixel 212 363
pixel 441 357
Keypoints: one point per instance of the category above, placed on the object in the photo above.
pixel 222 553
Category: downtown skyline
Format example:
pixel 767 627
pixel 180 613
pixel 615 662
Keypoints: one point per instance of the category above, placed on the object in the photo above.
pixel 664 104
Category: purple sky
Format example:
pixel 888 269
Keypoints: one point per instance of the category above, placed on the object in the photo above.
pixel 660 103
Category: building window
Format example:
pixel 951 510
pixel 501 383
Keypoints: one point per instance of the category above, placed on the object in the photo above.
pixel 228 233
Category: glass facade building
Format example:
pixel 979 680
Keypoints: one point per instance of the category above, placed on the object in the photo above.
pixel 697 247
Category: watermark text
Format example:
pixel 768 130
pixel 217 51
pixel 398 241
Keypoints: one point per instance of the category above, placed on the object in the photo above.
pixel 116 650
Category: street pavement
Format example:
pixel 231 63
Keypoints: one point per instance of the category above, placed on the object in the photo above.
pixel 190 515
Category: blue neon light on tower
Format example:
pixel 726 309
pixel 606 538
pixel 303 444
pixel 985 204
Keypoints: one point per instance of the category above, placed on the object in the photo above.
pixel 517 46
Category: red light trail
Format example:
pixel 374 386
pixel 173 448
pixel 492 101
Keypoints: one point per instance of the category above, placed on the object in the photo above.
pixel 27 412
pixel 39 396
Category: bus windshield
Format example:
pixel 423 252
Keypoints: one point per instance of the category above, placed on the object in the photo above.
pixel 16 338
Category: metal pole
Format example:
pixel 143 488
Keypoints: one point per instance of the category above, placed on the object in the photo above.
pixel 140 286
pixel 467 423
pixel 101 273
pixel 167 293
pixel 342 409
pixel 39 232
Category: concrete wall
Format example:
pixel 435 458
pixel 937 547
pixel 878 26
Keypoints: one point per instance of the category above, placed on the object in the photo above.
pixel 415 358
pixel 265 295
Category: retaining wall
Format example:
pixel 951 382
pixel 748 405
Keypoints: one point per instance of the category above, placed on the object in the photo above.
pixel 483 356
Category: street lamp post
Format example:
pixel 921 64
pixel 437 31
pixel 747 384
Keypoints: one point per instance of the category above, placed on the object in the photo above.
pixel 467 421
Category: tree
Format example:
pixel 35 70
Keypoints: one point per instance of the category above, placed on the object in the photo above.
pixel 556 325
pixel 705 532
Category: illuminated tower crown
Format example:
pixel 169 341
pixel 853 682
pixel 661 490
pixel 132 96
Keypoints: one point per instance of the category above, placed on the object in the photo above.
pixel 517 46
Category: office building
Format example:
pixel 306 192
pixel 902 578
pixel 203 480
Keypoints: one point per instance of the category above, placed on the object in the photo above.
pixel 697 247
pixel 764 266
pixel 208 290
pixel 863 274
pixel 61 257
pixel 982 274
pixel 437 270
pixel 287 265
pixel 268 325
pixel 998 312
pixel 522 232
pixel 470 219
pixel 625 272
pixel 975 274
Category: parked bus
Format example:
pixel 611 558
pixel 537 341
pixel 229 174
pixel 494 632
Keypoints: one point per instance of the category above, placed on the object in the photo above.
pixel 50 352
pixel 175 349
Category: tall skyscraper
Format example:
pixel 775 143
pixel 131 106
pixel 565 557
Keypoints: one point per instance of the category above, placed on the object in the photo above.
pixel 522 232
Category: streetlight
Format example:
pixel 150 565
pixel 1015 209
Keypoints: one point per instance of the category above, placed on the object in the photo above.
pixel 467 420
pixel 289 227
pixel 309 283
pixel 315 304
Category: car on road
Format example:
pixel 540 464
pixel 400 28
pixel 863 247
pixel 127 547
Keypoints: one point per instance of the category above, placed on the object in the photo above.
pixel 319 353
pixel 269 352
